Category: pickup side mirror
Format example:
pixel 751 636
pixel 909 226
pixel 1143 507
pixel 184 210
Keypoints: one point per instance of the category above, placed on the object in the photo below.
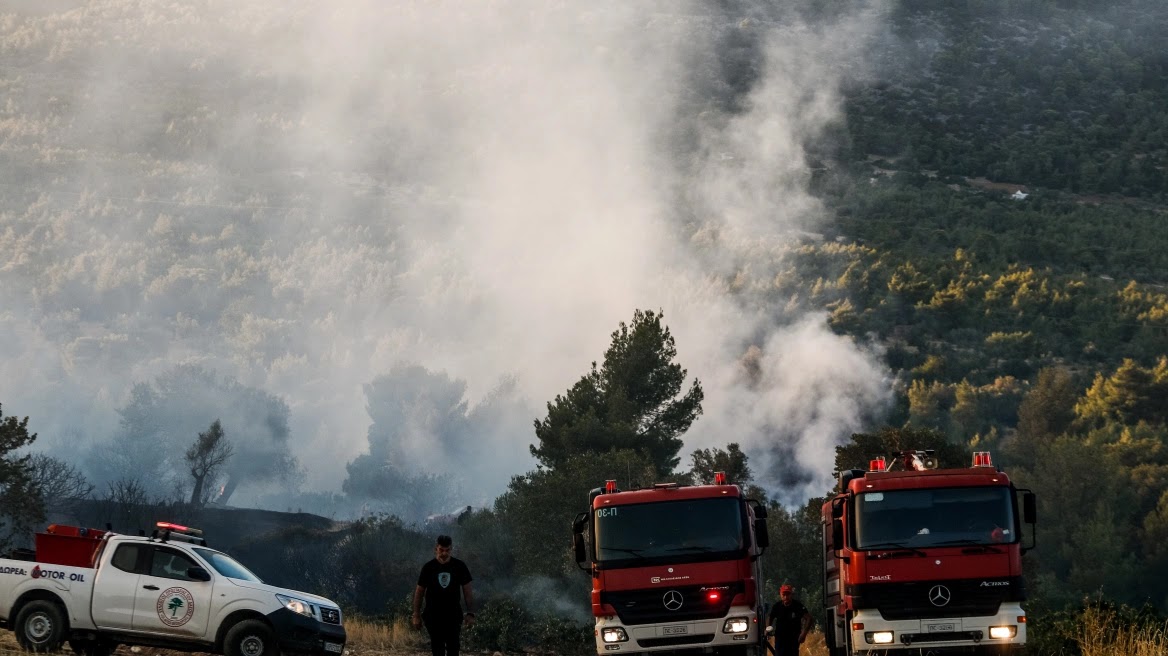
pixel 198 574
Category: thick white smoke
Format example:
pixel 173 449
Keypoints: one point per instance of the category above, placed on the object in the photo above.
pixel 303 195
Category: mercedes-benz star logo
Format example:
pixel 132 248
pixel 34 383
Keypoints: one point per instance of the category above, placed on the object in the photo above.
pixel 672 600
pixel 939 595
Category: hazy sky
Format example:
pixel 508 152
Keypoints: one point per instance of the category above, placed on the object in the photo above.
pixel 303 194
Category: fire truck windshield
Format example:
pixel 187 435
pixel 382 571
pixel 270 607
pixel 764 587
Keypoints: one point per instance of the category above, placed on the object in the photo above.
pixel 934 517
pixel 673 529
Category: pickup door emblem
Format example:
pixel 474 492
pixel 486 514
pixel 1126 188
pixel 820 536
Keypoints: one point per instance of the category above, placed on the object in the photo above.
pixel 175 607
pixel 672 600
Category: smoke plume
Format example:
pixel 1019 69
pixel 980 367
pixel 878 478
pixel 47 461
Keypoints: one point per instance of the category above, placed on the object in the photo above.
pixel 301 196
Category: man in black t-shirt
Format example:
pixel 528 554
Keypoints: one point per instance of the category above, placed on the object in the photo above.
pixel 442 582
pixel 789 621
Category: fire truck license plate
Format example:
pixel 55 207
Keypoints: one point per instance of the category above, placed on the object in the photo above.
pixel 941 628
pixel 334 647
pixel 674 630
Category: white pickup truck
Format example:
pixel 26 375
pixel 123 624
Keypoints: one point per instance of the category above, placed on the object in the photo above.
pixel 96 589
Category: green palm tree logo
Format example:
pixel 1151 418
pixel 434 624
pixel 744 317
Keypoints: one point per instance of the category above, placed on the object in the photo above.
pixel 175 604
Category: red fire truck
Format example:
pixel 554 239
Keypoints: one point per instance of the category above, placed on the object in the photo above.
pixel 921 560
pixel 674 568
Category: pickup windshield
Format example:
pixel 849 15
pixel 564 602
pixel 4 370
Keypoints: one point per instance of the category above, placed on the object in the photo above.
pixel 227 566
pixel 676 530
pixel 915 519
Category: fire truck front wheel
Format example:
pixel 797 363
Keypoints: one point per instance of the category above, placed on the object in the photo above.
pixel 40 626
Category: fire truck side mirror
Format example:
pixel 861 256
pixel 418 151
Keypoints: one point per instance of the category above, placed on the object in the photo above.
pixel 837 507
pixel 837 533
pixel 761 537
pixel 1029 516
pixel 1029 508
pixel 578 548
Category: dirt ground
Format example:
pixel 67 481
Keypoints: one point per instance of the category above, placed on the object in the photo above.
pixel 8 647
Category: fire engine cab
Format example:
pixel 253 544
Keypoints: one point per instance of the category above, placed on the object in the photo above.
pixel 674 567
pixel 919 559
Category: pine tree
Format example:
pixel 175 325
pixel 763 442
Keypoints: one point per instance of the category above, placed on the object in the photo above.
pixel 20 497
pixel 629 402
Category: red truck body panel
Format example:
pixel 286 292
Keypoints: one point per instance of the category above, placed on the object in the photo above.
pixel 70 546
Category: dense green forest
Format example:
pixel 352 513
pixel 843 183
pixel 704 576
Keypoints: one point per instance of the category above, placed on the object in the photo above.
pixel 1056 95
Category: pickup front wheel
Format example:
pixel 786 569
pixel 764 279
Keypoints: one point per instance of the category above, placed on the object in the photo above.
pixel 250 638
pixel 40 626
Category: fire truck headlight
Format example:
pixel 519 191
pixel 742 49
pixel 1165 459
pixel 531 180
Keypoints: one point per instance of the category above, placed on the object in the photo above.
pixel 1003 632
pixel 736 625
pixel 879 637
pixel 616 634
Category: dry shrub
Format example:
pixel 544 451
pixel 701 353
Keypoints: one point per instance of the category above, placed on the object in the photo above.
pixel 1101 633
pixel 368 635
pixel 814 645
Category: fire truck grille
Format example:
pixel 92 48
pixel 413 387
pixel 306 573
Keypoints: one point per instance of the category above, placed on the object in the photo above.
pixel 700 639
pixel 953 636
pixel 672 604
pixel 935 599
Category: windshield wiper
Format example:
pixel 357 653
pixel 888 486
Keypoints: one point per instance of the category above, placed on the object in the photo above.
pixel 633 552
pixel 974 546
pixel 898 549
pixel 700 548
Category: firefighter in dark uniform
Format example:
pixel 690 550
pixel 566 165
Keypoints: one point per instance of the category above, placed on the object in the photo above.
pixel 442 581
pixel 789 621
